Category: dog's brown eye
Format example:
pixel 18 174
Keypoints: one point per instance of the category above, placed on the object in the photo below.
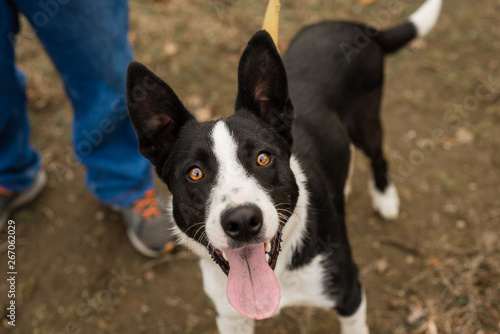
pixel 195 174
pixel 263 159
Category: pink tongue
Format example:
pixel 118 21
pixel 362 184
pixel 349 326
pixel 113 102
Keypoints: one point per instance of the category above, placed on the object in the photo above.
pixel 252 287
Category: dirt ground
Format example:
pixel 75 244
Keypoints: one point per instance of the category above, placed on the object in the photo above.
pixel 434 270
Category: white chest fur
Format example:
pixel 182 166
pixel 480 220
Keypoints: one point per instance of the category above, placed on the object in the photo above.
pixel 304 286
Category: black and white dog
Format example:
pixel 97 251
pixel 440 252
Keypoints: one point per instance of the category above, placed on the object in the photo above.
pixel 259 196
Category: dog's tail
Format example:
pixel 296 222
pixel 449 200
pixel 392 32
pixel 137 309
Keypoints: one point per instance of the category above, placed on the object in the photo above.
pixel 419 24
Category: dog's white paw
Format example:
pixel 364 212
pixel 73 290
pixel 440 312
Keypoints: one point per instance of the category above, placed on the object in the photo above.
pixel 385 203
pixel 356 323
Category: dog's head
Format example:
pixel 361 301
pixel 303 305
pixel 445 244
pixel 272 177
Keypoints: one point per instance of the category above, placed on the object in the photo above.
pixel 232 186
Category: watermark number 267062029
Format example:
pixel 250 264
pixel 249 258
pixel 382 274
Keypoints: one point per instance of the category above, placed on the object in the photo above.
pixel 11 272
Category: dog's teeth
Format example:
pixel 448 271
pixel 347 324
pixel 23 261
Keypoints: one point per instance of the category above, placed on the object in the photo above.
pixel 224 255
pixel 267 257
pixel 267 245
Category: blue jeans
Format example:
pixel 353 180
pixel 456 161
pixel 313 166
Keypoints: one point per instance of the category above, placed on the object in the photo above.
pixel 87 41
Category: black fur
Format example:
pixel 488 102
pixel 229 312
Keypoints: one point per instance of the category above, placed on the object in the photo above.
pixel 337 100
pixel 263 86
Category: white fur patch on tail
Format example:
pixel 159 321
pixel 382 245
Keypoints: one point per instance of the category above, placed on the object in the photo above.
pixel 356 323
pixel 385 203
pixel 426 16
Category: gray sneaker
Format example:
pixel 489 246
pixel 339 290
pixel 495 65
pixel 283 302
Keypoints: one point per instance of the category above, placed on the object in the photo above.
pixel 10 201
pixel 149 228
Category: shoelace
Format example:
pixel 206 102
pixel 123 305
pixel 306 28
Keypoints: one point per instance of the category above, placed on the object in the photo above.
pixel 147 207
pixel 6 192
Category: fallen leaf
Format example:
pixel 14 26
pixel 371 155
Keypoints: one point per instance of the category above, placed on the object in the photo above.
pixel 410 259
pixel 149 276
pixel 170 49
pixel 105 326
pixel 460 224
pixel 382 265
pixel 203 114
pixel 193 101
pixel 395 304
pixel 490 240
pixel 431 262
pixel 464 137
pixel 431 327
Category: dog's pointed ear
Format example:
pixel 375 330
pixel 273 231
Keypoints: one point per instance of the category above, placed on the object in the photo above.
pixel 156 113
pixel 263 85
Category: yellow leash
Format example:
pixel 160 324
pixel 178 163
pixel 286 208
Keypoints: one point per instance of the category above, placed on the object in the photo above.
pixel 272 20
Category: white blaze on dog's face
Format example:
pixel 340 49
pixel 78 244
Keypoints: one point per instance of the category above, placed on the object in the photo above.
pixel 232 186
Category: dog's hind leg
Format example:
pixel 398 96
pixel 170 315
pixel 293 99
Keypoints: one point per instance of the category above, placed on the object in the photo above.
pixel 386 202
pixel 362 120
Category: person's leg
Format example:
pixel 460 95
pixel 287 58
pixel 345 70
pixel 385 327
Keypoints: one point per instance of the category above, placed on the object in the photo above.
pixel 19 163
pixel 87 41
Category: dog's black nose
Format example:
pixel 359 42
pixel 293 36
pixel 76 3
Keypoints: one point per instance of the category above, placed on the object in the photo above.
pixel 243 222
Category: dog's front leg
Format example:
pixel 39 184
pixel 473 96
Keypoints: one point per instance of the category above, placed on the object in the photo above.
pixel 355 323
pixel 229 321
